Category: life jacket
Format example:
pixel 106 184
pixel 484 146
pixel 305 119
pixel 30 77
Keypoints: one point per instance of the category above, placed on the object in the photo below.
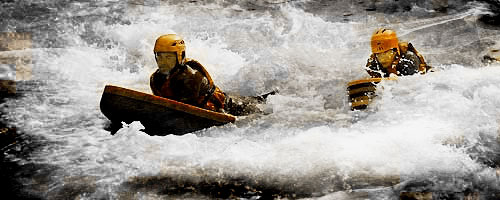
pixel 213 99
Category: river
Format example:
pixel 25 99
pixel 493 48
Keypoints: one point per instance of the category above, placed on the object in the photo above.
pixel 429 135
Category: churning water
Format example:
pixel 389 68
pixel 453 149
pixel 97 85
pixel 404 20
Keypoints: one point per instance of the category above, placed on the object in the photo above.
pixel 435 133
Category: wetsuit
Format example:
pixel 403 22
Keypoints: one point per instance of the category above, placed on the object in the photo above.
pixel 190 83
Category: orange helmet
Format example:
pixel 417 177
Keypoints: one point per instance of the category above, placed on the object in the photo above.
pixel 171 43
pixel 383 40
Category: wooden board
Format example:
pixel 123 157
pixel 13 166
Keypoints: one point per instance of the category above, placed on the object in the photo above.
pixel 160 116
pixel 361 92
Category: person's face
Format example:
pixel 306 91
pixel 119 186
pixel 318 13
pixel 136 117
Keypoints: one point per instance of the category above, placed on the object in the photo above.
pixel 386 58
pixel 166 61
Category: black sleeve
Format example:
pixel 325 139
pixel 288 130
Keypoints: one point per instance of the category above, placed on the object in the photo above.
pixel 408 64
pixel 156 81
pixel 373 68
pixel 189 85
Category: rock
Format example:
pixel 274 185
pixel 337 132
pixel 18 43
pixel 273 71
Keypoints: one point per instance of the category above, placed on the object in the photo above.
pixel 15 57
pixel 492 19
pixel 7 88
pixel 416 195
pixel 492 55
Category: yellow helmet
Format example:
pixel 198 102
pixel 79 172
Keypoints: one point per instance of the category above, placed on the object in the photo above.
pixel 171 43
pixel 383 40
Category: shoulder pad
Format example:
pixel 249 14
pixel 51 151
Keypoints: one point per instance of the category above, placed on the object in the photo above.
pixel 403 47
pixel 193 63
pixel 371 58
pixel 410 47
pixel 198 66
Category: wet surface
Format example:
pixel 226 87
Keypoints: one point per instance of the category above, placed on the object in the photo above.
pixel 54 143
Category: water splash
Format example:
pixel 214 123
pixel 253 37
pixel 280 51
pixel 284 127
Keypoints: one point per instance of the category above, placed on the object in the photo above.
pixel 431 128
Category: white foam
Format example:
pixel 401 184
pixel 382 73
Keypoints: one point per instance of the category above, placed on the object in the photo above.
pixel 419 126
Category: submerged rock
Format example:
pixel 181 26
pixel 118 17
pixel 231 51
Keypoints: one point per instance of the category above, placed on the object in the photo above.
pixel 492 19
pixel 492 54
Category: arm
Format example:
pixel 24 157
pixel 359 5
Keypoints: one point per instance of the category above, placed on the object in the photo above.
pixel 408 64
pixel 155 82
pixel 372 67
pixel 423 67
pixel 193 85
pixel 189 86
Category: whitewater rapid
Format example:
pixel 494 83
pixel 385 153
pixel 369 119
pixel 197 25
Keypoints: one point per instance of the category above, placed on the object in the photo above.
pixel 441 128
